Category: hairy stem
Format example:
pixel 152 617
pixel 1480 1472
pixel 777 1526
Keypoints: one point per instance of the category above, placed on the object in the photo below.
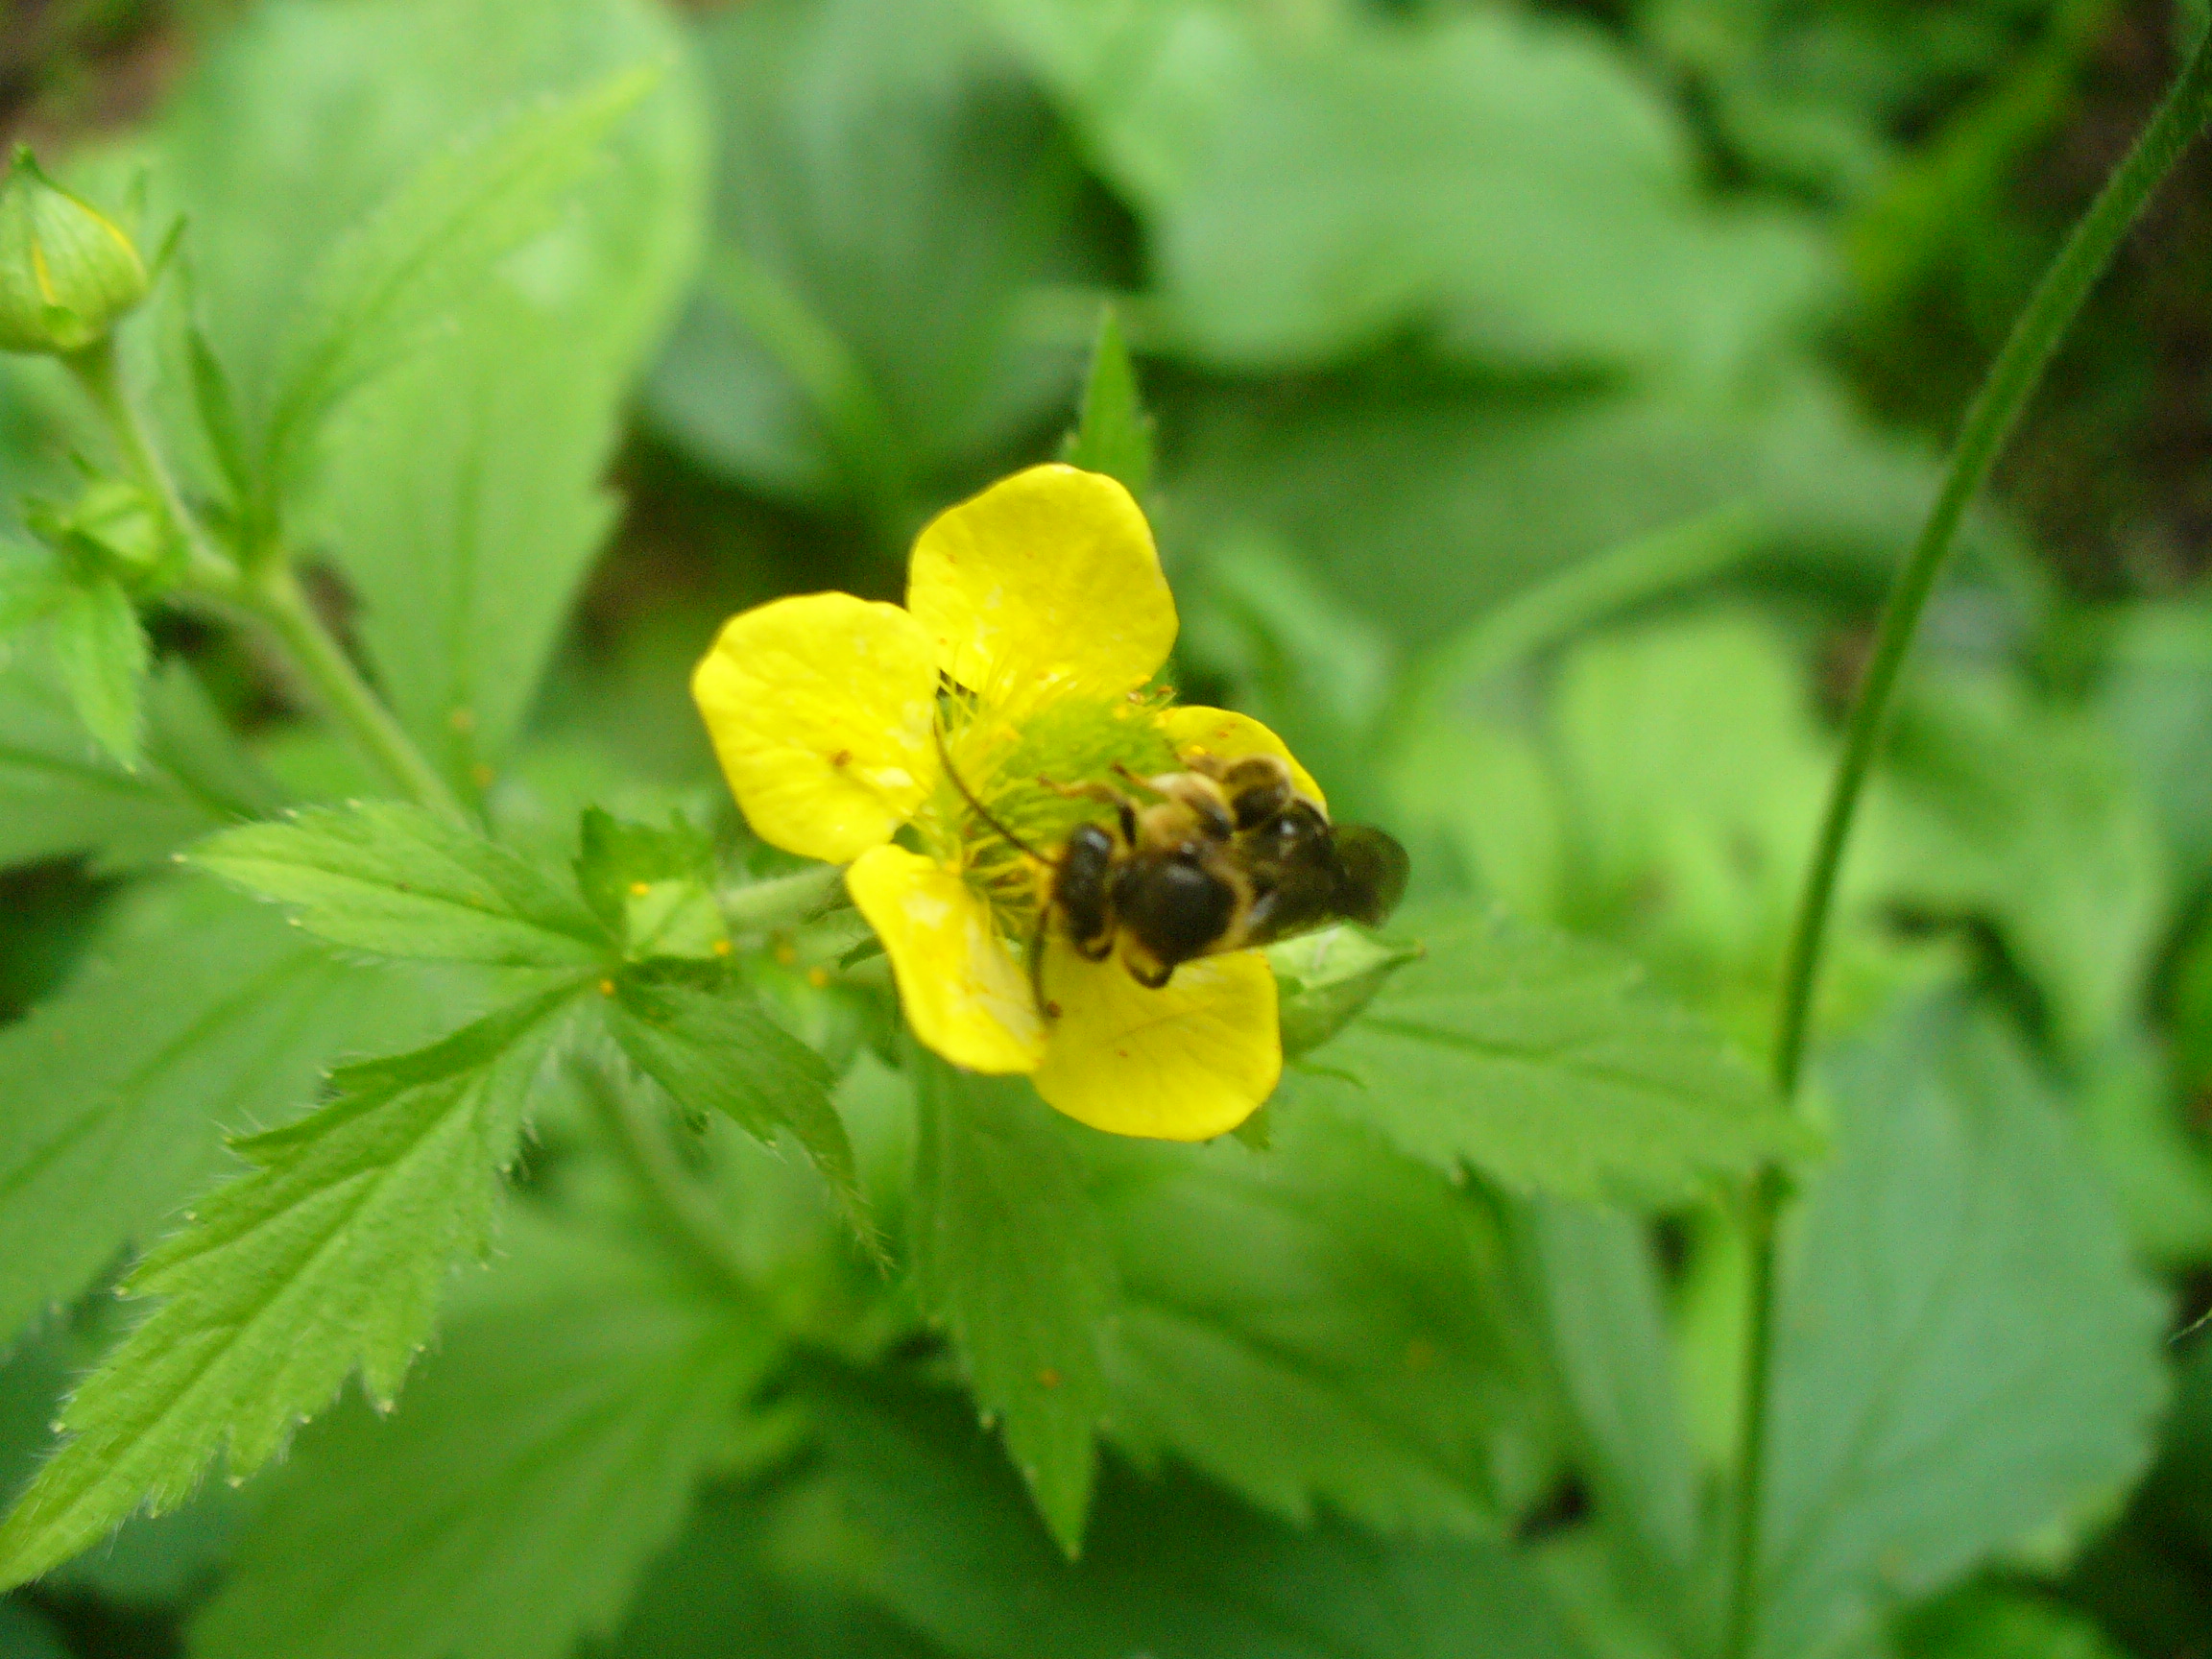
pixel 271 594
pixel 1989 420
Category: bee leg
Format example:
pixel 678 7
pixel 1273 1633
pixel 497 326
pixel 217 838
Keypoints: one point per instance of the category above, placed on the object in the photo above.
pixel 1124 809
pixel 1045 1006
pixel 1152 978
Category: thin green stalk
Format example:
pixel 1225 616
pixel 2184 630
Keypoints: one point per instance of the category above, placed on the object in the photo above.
pixel 1989 420
pixel 276 598
pixel 100 373
pixel 273 594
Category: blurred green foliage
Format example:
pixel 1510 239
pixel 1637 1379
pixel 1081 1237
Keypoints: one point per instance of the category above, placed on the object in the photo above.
pixel 1544 393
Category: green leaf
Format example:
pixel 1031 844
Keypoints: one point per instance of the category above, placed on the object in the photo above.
pixel 1963 1353
pixel 2157 698
pixel 1115 435
pixel 32 587
pixel 1602 1302
pixel 1547 1064
pixel 1323 979
pixel 727 1589
pixel 60 795
pixel 1503 183
pixel 1322 1325
pixel 329 1257
pixel 197 1012
pixel 1011 1256
pixel 1173 1570
pixel 399 881
pixel 2028 817
pixel 653 889
pixel 463 491
pixel 103 653
pixel 889 190
pixel 545 1454
pixel 1991 1623
pixel 27 1634
pixel 723 1053
pixel 220 422
pixel 430 246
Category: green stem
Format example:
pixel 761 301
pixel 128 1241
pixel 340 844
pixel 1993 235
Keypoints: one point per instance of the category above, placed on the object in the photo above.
pixel 684 1212
pixel 276 598
pixel 1989 420
pixel 99 372
pixel 273 594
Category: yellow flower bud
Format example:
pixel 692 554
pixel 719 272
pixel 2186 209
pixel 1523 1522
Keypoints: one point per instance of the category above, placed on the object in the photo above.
pixel 67 272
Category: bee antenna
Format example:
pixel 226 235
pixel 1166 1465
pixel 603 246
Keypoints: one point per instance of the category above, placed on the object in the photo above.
pixel 944 755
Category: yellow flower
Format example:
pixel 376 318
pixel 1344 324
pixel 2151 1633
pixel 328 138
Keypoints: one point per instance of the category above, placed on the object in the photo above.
pixel 1036 618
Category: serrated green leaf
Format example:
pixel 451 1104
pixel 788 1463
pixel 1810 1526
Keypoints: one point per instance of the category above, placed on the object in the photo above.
pixel 1011 1255
pixel 103 653
pixel 1963 1353
pixel 544 1456
pixel 1547 1064
pixel 1115 434
pixel 419 257
pixel 399 881
pixel 723 1053
pixel 198 1012
pixel 1326 1324
pixel 329 1257
pixel 1173 1569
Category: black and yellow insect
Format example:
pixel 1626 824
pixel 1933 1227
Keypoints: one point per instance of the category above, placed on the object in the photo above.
pixel 1223 856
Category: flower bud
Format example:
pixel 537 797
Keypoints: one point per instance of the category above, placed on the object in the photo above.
pixel 67 272
pixel 1324 979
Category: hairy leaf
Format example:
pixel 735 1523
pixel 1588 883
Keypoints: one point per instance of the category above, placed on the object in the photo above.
pixel 546 1454
pixel 1323 1323
pixel 329 1257
pixel 1012 1257
pixel 1963 1353
pixel 396 879
pixel 1547 1064
pixel 723 1053
pixel 198 1013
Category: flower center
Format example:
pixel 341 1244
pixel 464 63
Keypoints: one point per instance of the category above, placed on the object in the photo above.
pixel 1029 763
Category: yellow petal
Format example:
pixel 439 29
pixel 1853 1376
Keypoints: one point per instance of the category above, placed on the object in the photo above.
pixel 1227 734
pixel 820 707
pixel 963 993
pixel 1049 577
pixel 1187 1062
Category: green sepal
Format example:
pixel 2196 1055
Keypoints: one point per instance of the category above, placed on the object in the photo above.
pixel 1323 979
pixel 1115 434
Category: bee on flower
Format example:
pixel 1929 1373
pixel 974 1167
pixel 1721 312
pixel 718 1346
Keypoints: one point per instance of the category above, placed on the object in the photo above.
pixel 1069 872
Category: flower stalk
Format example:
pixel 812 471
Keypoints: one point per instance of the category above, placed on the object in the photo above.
pixel 1989 422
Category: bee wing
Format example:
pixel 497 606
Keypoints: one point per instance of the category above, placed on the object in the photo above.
pixel 1374 869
